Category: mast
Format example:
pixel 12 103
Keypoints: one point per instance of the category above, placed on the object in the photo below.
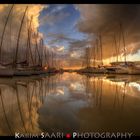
pixel 86 60
pixel 94 49
pixel 28 42
pixel 97 48
pixel 52 59
pixel 87 57
pixel 124 45
pixel 46 61
pixel 28 49
pixel 119 42
pixel 41 45
pixel 38 50
pixel 101 52
pixel 116 48
pixel 17 47
pixel 47 56
pixel 6 22
pixel 35 59
pixel 55 61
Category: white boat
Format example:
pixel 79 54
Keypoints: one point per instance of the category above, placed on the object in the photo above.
pixel 122 70
pixel 117 70
pixel 134 70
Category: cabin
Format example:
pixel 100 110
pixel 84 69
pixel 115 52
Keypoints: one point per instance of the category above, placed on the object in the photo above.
pixel 128 63
pixel 122 63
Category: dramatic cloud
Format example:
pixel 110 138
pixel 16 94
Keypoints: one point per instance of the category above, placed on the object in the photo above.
pixel 58 38
pixel 14 22
pixel 78 44
pixel 53 18
pixel 60 48
pixel 68 42
pixel 104 19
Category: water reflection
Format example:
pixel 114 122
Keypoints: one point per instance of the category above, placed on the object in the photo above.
pixel 70 102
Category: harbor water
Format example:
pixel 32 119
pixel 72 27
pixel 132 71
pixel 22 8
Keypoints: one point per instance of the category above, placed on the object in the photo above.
pixel 70 102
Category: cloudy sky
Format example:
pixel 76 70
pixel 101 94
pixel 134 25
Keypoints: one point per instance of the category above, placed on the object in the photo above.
pixel 58 24
pixel 68 29
pixel 71 28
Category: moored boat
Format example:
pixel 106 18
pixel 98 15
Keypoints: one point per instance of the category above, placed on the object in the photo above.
pixel 6 72
pixel 134 70
pixel 22 72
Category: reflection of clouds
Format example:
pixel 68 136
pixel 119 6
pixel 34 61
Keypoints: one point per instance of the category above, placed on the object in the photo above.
pixel 109 101
pixel 71 77
pixel 60 91
pixel 58 114
pixel 76 86
pixel 133 84
pixel 72 86
pixel 57 118
pixel 135 89
pixel 130 88
pixel 113 82
pixel 68 102
pixel 19 110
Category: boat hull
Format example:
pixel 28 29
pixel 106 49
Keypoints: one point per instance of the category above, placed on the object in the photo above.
pixel 134 71
pixel 22 72
pixel 115 70
pixel 37 72
pixel 6 72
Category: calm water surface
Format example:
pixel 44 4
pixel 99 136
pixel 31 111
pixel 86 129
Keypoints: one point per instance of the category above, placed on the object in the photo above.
pixel 70 102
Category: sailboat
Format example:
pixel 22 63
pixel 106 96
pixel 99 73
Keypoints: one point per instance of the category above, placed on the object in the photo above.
pixel 116 67
pixel 122 69
pixel 94 69
pixel 119 67
pixel 133 69
pixel 98 51
pixel 126 67
pixel 38 64
pixel 101 68
pixel 52 67
pixel 87 62
pixel 19 70
pixel 5 69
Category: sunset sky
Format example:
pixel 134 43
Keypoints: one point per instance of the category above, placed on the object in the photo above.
pixel 58 24
pixel 68 29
